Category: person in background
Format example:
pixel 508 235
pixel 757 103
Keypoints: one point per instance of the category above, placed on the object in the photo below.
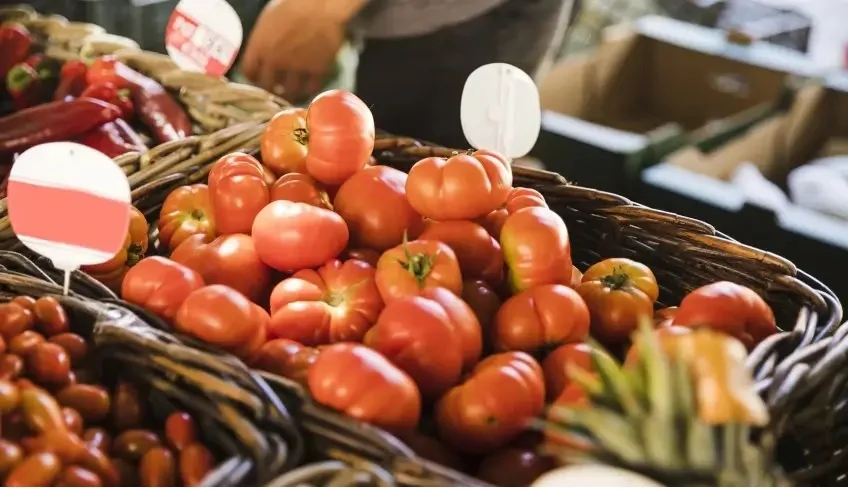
pixel 416 54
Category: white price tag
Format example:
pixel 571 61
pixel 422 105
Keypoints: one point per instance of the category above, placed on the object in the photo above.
pixel 204 36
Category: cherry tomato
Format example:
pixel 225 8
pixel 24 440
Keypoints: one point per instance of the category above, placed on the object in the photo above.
pixel 337 302
pixel 536 248
pixel 292 236
pixel 283 145
pixel 479 255
pixel 517 199
pixel 373 203
pixel 159 285
pixel 238 192
pixel 15 319
pixel 730 308
pixel 300 188
pixel 111 273
pixel 494 404
pixel 285 358
pixel 218 315
pixel 229 260
pixel 514 467
pixel 409 268
pixel 556 366
pixel 463 187
pixel 618 292
pixel 359 382
pixel 187 211
pixel 340 131
pixel 540 318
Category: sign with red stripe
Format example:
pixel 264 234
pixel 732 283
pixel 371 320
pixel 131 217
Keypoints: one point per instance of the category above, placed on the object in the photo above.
pixel 204 36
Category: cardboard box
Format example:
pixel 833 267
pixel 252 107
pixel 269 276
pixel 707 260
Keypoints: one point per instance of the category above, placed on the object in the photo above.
pixel 651 88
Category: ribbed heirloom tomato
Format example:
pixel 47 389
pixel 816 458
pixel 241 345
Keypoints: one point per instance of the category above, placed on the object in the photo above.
pixel 292 236
pixel 374 206
pixel 222 317
pixel 539 318
pixel 337 302
pixel 479 255
pixel 111 273
pixel 619 292
pixel 340 135
pixel 536 248
pixel 413 266
pixel 463 187
pixel 238 192
pixel 283 145
pixel 300 188
pixel 493 405
pixel 517 199
pixel 159 285
pixel 363 384
pixel 557 363
pixel 186 211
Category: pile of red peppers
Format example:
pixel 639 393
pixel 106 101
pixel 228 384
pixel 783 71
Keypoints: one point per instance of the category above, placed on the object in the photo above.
pixel 97 104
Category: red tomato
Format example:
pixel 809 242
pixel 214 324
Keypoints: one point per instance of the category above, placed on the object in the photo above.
pixel 283 144
pixel 250 349
pixel 300 188
pixel 517 199
pixel 111 273
pixel 479 255
pixel 292 236
pixel 409 268
pixel 483 301
pixel 430 448
pixel 159 285
pixel 464 321
pixel 220 316
pixel 338 302
pixel 618 292
pixel 363 384
pixel 463 187
pixel 238 192
pixel 556 366
pixel 576 277
pixel 340 134
pixel 730 308
pixel 187 211
pixel 664 317
pixel 493 405
pixel 369 256
pixel 229 260
pixel 373 203
pixel 539 318
pixel 285 358
pixel 536 249
pixel 514 467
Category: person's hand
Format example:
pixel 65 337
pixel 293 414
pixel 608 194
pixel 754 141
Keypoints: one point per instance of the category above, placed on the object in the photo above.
pixel 292 47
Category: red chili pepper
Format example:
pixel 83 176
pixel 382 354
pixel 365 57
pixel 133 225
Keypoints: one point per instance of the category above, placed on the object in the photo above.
pixel 72 80
pixel 54 121
pixel 15 43
pixel 24 85
pixel 108 92
pixel 160 112
pixel 113 139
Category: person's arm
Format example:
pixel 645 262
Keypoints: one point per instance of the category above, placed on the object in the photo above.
pixel 343 10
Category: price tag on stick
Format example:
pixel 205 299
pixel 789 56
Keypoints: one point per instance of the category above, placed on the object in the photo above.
pixel 70 203
pixel 204 36
pixel 500 110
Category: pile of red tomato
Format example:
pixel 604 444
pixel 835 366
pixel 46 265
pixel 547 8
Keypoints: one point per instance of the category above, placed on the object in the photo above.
pixel 386 293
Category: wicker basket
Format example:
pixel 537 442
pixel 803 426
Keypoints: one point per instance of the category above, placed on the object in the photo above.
pixel 238 416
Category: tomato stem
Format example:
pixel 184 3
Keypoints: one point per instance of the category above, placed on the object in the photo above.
pixel 197 214
pixel 616 280
pixel 419 265
pixel 301 135
pixel 134 254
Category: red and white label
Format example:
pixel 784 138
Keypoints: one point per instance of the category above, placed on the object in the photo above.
pixel 204 36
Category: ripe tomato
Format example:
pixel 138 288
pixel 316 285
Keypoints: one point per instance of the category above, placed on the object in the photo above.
pixel 337 302
pixel 341 136
pixel 412 266
pixel 300 188
pixel 576 277
pixel 292 236
pixel 517 199
pixel 463 187
pixel 618 292
pixel 359 382
pixel 479 255
pixel 111 273
pixel 728 307
pixel 536 249
pixel 556 366
pixel 238 192
pixel 493 405
pixel 229 260
pixel 159 285
pixel 663 334
pixel 220 316
pixel 540 318
pixel 373 203
pixel 514 467
pixel 369 256
pixel 283 145
pixel 285 358
pixel 483 301
pixel 187 211
pixel 249 350
pixel 664 317
pixel 430 448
